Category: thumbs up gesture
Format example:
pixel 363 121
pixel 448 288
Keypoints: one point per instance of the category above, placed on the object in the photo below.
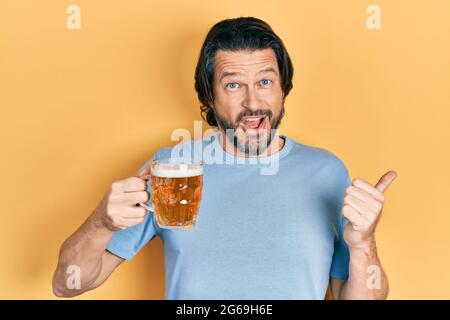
pixel 362 208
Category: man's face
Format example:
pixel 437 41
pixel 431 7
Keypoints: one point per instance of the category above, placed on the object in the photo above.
pixel 248 98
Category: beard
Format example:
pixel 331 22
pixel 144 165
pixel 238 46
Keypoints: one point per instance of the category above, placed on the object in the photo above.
pixel 251 144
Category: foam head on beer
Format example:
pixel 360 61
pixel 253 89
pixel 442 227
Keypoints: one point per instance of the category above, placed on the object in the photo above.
pixel 170 171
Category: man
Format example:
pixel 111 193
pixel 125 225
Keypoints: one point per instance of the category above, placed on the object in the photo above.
pixel 277 236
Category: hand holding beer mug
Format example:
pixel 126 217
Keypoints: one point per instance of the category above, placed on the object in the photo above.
pixel 176 192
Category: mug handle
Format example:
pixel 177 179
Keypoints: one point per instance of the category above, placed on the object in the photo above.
pixel 146 206
pixel 145 174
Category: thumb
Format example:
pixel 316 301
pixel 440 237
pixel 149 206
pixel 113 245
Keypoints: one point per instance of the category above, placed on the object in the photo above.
pixel 386 180
pixel 144 173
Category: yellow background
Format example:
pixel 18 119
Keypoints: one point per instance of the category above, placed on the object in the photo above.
pixel 82 108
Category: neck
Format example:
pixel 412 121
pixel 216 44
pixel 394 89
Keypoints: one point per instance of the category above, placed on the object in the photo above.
pixel 275 146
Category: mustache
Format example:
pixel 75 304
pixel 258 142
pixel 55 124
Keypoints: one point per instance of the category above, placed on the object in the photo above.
pixel 247 113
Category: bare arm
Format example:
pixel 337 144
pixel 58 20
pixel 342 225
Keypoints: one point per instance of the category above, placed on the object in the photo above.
pixel 86 250
pixel 367 279
pixel 84 253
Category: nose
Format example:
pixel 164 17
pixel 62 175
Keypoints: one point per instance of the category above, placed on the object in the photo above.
pixel 251 100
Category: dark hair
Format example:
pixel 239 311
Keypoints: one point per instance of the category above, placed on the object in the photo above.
pixel 244 33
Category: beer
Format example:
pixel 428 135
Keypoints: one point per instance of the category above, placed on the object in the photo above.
pixel 176 193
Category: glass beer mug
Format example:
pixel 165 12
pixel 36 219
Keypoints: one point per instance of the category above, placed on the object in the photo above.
pixel 176 192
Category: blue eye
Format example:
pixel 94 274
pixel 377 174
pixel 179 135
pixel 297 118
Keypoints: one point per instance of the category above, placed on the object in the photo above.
pixel 232 85
pixel 265 82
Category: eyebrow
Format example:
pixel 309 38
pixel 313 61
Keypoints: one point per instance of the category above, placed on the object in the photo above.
pixel 231 73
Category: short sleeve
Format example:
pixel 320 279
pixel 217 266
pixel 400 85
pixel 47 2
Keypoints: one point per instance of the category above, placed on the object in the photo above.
pixel 341 257
pixel 126 243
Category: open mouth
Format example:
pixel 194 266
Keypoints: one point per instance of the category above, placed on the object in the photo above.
pixel 255 124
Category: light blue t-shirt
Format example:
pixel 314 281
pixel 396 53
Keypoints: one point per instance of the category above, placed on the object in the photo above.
pixel 257 236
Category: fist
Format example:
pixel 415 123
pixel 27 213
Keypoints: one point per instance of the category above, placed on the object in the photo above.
pixel 121 206
pixel 362 208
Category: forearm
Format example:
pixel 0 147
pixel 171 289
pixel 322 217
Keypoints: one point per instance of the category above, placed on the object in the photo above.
pixel 82 251
pixel 367 280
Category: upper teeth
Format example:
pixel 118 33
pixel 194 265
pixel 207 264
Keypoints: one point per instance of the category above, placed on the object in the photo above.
pixel 255 119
